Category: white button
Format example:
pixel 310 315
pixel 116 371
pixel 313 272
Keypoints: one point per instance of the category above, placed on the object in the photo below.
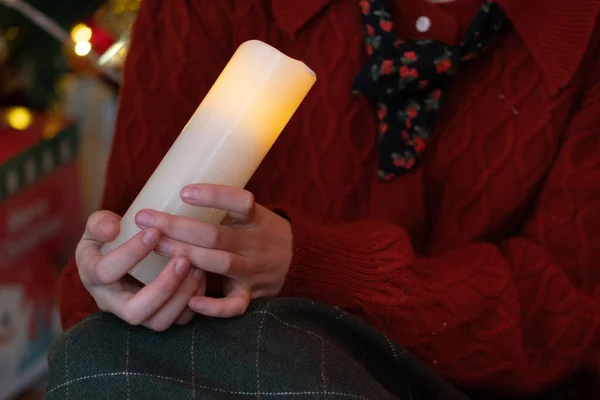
pixel 423 24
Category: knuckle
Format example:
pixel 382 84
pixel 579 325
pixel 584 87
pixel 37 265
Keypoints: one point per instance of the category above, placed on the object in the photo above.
pixel 101 274
pixel 131 317
pixel 242 264
pixel 158 324
pixel 240 309
pixel 208 195
pixel 227 262
pixel 212 236
pixel 248 202
pixel 185 319
pixel 84 255
pixel 163 222
pixel 85 280
pixel 166 223
pixel 181 250
pixel 80 255
pixel 221 313
pixel 167 286
pixel 85 267
pixel 234 311
pixel 159 327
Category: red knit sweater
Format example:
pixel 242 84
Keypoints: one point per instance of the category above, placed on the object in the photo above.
pixel 484 261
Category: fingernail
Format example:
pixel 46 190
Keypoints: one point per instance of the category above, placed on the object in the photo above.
pixel 164 247
pixel 145 219
pixel 198 275
pixel 188 193
pixel 181 267
pixel 150 237
pixel 106 226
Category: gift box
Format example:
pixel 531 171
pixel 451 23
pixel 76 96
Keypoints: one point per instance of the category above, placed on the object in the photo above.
pixel 41 220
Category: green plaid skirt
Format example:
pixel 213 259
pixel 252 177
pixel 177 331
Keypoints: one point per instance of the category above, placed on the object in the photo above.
pixel 280 349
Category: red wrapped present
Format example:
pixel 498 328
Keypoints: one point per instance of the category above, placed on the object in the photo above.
pixel 40 221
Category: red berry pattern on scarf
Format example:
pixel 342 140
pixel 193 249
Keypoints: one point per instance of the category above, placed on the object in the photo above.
pixel 407 79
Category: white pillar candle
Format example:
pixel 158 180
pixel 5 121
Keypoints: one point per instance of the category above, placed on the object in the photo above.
pixel 225 140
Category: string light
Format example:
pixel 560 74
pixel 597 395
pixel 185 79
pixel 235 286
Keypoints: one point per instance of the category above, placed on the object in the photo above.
pixel 81 33
pixel 19 118
pixel 55 30
pixel 83 48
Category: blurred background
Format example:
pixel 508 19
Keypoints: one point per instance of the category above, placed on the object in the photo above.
pixel 60 63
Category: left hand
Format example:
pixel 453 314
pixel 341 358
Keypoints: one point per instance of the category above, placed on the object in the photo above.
pixel 251 249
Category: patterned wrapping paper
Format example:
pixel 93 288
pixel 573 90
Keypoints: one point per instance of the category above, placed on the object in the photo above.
pixel 40 221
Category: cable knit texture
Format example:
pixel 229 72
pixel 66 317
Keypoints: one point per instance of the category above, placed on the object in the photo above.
pixel 484 260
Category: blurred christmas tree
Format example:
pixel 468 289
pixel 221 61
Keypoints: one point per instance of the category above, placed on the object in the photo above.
pixel 31 60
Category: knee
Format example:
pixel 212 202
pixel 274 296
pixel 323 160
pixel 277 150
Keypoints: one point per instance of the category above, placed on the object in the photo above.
pixel 70 342
pixel 82 351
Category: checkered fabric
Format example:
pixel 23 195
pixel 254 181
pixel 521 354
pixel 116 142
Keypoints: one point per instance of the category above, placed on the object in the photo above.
pixel 280 349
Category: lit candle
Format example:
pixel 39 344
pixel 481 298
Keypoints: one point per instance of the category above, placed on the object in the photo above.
pixel 225 140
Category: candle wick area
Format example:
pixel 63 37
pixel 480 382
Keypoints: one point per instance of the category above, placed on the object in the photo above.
pixel 259 44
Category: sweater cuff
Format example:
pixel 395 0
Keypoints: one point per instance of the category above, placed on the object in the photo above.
pixel 331 265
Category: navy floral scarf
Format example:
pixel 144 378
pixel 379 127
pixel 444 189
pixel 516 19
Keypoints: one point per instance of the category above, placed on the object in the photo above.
pixel 407 79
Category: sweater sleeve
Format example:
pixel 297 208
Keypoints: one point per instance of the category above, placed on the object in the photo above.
pixel 516 315
pixel 173 61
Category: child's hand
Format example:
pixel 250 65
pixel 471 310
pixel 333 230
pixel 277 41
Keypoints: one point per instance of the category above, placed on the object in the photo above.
pixel 155 306
pixel 252 249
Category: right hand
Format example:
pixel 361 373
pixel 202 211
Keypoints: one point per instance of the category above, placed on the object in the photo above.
pixel 157 305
